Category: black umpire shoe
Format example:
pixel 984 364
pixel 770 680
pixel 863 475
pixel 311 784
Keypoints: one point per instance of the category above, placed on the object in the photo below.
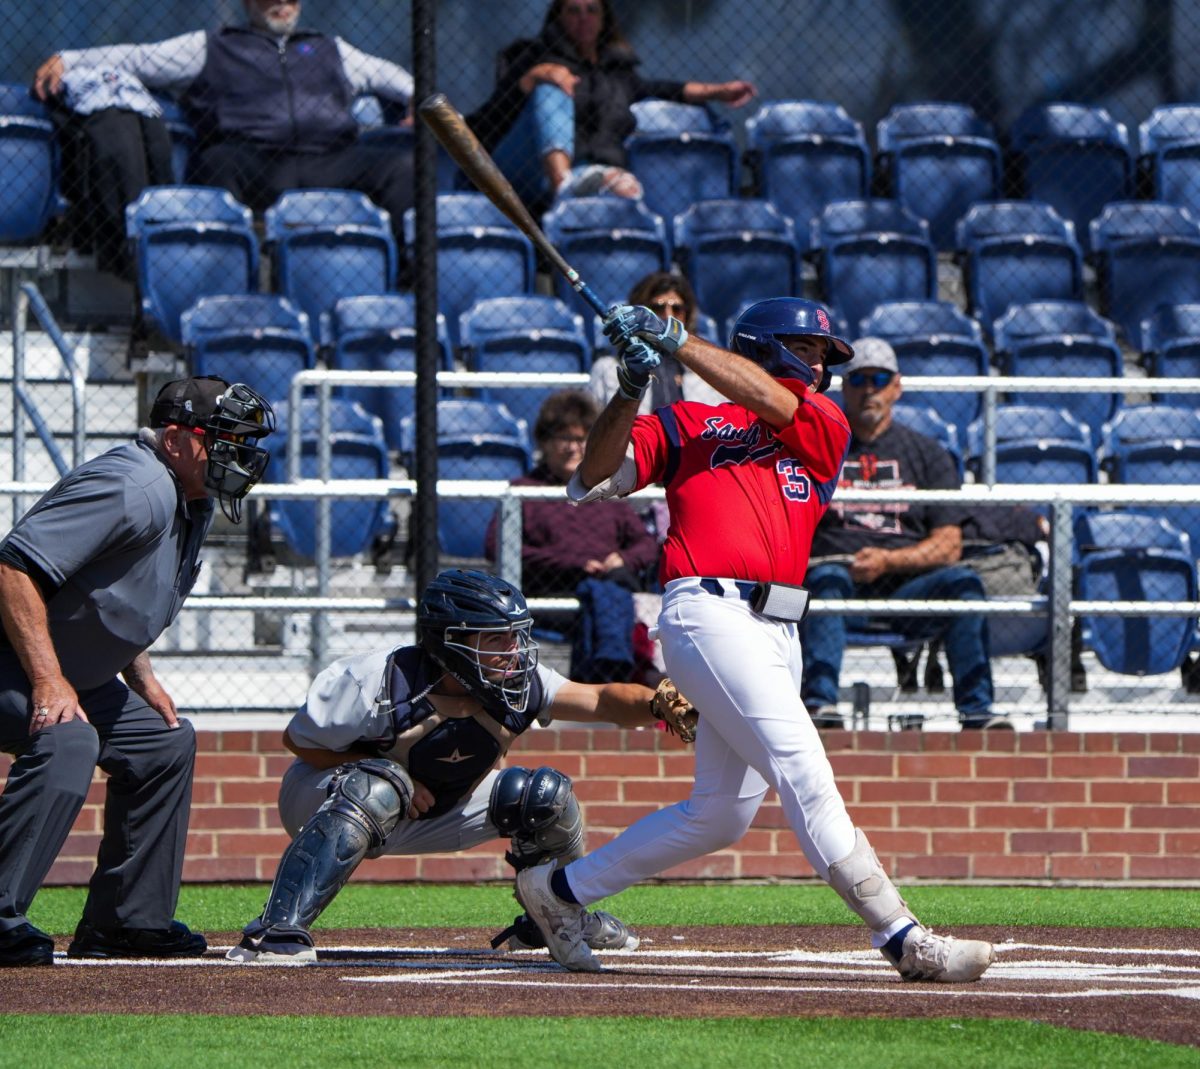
pixel 177 941
pixel 25 945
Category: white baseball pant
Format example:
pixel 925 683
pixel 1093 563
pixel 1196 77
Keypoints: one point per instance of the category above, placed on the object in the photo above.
pixel 742 672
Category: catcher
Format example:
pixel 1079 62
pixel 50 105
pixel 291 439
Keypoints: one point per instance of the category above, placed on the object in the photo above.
pixel 396 753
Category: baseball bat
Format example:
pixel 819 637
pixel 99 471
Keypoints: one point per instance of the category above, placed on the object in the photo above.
pixel 451 129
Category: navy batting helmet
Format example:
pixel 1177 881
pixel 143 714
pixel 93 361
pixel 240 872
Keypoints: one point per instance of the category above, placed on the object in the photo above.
pixel 758 330
pixel 460 607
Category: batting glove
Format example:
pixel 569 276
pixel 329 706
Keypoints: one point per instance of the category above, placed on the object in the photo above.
pixel 625 321
pixel 635 366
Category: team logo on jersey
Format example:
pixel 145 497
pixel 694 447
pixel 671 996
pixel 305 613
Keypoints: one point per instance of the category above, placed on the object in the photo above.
pixel 739 445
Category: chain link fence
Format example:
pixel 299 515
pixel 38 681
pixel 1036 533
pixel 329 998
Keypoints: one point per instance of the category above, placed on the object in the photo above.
pixel 1002 192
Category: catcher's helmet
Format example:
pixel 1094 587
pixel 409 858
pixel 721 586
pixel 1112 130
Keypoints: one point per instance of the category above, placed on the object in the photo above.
pixel 232 418
pixel 758 329
pixel 460 607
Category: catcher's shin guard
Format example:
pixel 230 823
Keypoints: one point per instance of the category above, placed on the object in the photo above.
pixel 539 810
pixel 866 888
pixel 366 800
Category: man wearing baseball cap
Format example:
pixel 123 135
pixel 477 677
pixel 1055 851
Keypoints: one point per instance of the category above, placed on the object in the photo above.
pixel 90 577
pixel 884 551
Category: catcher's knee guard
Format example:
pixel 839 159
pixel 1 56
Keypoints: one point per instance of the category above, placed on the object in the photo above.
pixel 866 888
pixel 365 801
pixel 539 811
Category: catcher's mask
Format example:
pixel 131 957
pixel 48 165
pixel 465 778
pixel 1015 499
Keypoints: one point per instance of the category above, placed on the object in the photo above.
pixel 478 628
pixel 759 329
pixel 233 419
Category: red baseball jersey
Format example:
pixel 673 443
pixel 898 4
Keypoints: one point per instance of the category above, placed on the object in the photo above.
pixel 744 499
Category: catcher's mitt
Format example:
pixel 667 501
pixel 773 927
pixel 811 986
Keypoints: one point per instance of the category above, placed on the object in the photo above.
pixel 674 710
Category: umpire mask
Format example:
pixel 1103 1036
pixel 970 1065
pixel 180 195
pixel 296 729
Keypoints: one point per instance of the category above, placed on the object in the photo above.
pixel 235 459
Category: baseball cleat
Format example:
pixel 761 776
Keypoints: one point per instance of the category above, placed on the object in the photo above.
pixel 601 931
pixel 273 947
pixel 942 958
pixel 561 923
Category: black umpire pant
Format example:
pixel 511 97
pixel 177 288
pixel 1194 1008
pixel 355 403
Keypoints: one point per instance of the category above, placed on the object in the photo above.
pixel 149 793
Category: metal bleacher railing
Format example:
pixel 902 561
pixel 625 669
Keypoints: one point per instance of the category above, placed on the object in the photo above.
pixel 1061 501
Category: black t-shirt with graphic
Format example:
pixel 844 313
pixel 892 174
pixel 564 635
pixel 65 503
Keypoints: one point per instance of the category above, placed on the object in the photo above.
pixel 899 458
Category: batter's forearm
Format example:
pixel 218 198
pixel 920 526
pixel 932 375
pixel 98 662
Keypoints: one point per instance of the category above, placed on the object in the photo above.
pixel 608 441
pixel 737 378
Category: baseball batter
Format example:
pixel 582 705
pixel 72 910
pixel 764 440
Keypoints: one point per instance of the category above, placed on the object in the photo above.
pixel 747 483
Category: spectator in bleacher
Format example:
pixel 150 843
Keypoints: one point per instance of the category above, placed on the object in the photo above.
pixel 559 113
pixel 89 579
pixel 603 556
pixel 906 551
pixel 270 102
pixel 665 294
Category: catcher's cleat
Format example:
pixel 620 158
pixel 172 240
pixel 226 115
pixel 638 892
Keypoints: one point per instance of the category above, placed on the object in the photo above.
pixel 561 923
pixel 940 959
pixel 601 931
pixel 275 946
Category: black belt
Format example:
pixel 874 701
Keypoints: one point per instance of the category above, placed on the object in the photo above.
pixel 745 589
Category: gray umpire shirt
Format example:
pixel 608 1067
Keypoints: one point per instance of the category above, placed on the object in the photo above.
pixel 120 543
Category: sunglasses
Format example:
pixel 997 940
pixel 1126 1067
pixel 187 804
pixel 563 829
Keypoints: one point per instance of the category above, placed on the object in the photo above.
pixel 675 308
pixel 878 379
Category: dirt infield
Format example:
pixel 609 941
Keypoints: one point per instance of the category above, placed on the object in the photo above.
pixel 1138 982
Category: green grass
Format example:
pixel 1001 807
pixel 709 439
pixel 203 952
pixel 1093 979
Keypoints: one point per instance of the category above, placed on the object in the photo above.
pixel 216 907
pixel 58 1042
pixel 207 1042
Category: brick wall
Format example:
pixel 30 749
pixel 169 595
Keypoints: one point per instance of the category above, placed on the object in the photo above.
pixel 936 805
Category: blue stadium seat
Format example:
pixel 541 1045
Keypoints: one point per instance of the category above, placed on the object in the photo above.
pixel 806 154
pixel 189 242
pixel 1160 446
pixel 380 123
pixel 183 136
pixel 873 251
pixel 938 160
pixel 737 251
pixel 1171 349
pixel 1061 339
pixel 1075 157
pixel 1037 318
pixel 259 339
pixel 1036 444
pixel 1015 252
pixel 906 318
pixel 533 333
pixel 927 420
pixel 1135 557
pixel 475 440
pixel 480 253
pixel 613 242
pixel 28 165
pixel 1147 254
pixel 358 451
pixel 329 244
pixel 380 334
pixel 1170 154
pixel 681 153
pixel 933 338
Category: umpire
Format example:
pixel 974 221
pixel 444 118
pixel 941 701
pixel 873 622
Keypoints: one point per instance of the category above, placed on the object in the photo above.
pixel 89 578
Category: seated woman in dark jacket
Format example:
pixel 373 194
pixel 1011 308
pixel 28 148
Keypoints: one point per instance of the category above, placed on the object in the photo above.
pixel 559 114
